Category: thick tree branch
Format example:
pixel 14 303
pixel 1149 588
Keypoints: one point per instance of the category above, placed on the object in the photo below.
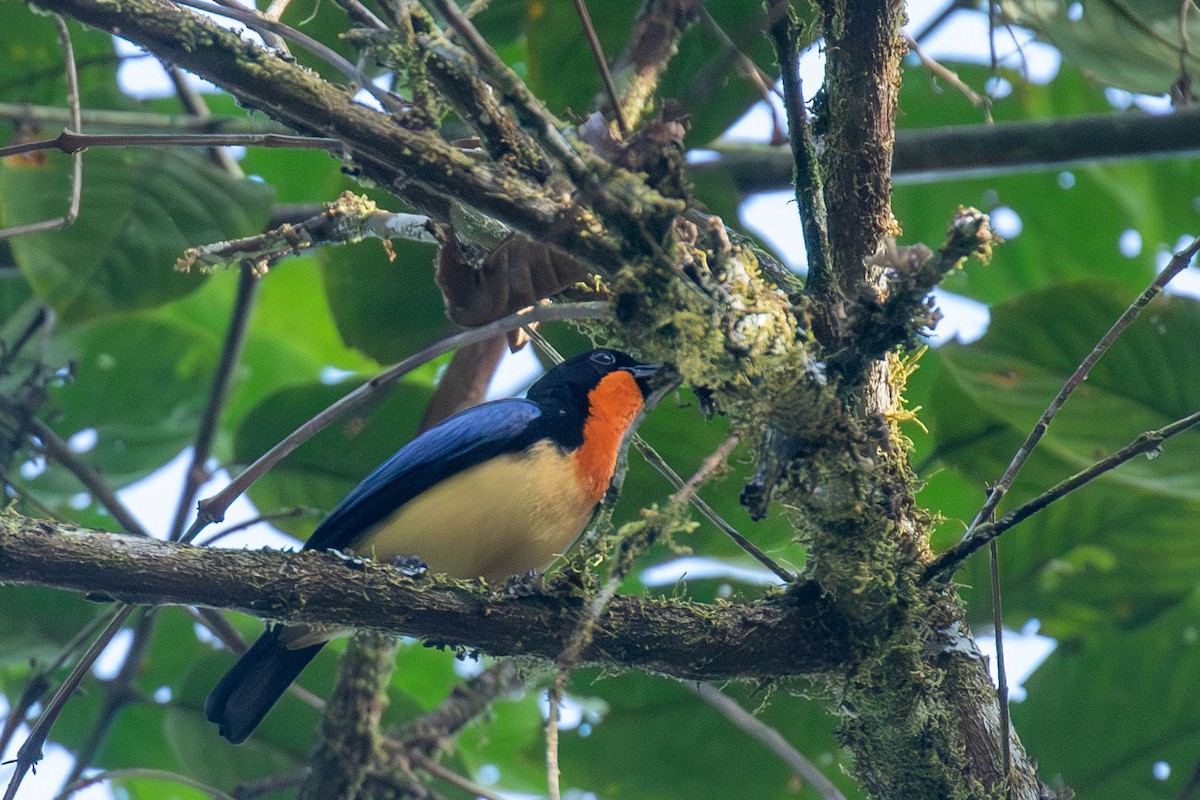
pixel 958 152
pixel 789 635
pixel 416 163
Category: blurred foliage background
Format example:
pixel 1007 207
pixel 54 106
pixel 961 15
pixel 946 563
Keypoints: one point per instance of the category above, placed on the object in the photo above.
pixel 1112 573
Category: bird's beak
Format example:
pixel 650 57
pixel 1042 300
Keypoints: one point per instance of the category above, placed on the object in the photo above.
pixel 645 375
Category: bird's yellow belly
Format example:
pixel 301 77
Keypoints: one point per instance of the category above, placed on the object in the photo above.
pixel 501 518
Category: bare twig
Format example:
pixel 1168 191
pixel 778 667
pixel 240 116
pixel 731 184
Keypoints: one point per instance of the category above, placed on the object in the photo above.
pixel 1177 264
pixel 213 508
pixel 589 31
pixel 810 199
pixel 39 683
pixel 197 473
pixel 30 751
pixel 194 103
pixel 389 101
pixel 767 735
pixel 289 513
pixel 75 143
pixel 946 74
pixel 656 461
pixel 1001 672
pixel 761 80
pixel 438 771
pixel 117 692
pixel 106 118
pixel 1146 443
pixel 64 40
pixel 54 446
pixel 158 774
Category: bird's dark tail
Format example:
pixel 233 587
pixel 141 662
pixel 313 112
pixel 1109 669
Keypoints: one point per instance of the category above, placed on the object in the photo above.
pixel 254 684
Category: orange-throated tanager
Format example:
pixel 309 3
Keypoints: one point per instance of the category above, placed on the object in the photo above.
pixel 497 490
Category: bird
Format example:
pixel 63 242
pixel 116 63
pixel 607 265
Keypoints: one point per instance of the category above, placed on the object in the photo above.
pixel 498 490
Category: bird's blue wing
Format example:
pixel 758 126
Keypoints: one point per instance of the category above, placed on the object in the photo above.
pixel 458 443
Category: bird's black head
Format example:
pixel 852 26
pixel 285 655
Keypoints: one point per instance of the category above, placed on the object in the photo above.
pixel 571 393
pixel 572 380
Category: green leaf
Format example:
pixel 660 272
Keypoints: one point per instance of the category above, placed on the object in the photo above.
pixel 713 760
pixel 141 209
pixel 386 309
pixel 1155 200
pixel 1132 697
pixel 1120 548
pixel 39 622
pixel 140 383
pixel 704 75
pixel 1131 45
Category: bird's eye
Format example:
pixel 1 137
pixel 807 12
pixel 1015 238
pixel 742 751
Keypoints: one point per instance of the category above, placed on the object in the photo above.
pixel 603 358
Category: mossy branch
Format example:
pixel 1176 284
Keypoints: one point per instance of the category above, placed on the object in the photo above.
pixel 781 636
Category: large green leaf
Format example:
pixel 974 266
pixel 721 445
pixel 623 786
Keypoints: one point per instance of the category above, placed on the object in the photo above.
pixel 1132 45
pixel 139 384
pixel 1123 546
pixel 39 622
pixel 706 76
pixel 713 760
pixel 385 308
pixel 141 209
pixel 1101 717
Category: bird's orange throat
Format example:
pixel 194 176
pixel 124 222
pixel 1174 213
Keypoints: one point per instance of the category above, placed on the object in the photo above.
pixel 613 406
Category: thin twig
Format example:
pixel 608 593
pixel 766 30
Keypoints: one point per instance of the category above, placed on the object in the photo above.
pixel 1178 263
pixel 141 772
pixel 30 751
pixel 39 682
pixel 64 40
pixel 1001 672
pixel 438 771
pixel 810 197
pixel 193 101
pixel 942 16
pixel 391 102
pixel 54 446
pixel 943 72
pixel 117 692
pixel 761 80
pixel 530 109
pixel 656 461
pixel 213 508
pixel 289 513
pixel 767 735
pixel 75 143
pixel 1146 443
pixel 554 701
pixel 589 31
pixel 106 118
pixel 197 473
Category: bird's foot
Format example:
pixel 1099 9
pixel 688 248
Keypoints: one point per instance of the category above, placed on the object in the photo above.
pixel 525 584
pixel 412 566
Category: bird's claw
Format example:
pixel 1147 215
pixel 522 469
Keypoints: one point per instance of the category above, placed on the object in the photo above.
pixel 525 584
pixel 412 566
